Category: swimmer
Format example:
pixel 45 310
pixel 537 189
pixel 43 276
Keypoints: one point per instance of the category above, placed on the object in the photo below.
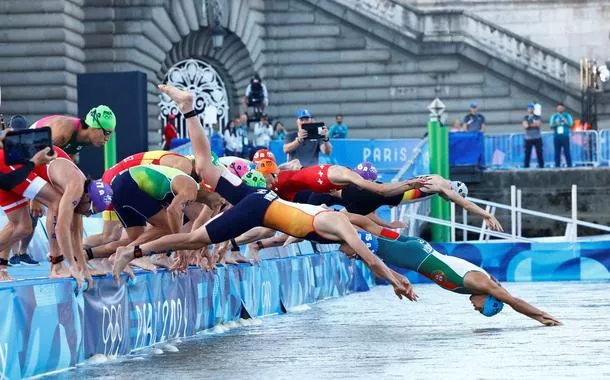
pixel 451 273
pixel 251 208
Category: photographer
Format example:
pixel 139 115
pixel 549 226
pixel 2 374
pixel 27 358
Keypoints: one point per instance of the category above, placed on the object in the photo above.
pixel 306 150
pixel 256 94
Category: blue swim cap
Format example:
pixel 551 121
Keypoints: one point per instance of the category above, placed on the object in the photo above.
pixel 369 240
pixel 492 306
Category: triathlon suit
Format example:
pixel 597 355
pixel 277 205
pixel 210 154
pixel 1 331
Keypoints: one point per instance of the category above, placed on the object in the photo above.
pixel 260 207
pixel 43 170
pixel 153 157
pixel 142 191
pixel 72 146
pixel 363 202
pixel 19 195
pixel 314 178
pixel 416 254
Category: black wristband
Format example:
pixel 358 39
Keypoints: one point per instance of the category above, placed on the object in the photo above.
pixel 89 253
pixel 4 262
pixel 190 114
pixel 56 259
pixel 137 252
pixel 326 139
pixel 234 246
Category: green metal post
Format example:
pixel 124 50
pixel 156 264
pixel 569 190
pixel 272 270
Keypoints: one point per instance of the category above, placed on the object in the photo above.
pixel 110 152
pixel 438 138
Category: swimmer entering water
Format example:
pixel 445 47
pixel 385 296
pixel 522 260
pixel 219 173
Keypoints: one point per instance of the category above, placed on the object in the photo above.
pixel 451 273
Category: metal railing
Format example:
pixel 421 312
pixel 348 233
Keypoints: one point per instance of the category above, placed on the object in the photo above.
pixel 516 220
pixel 507 151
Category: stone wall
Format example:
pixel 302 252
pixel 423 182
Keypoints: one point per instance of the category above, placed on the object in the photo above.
pixel 549 191
pixel 574 28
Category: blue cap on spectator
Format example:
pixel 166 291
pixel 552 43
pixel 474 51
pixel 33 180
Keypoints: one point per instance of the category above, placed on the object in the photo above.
pixel 303 114
pixel 474 105
pixel 18 122
pixel 530 105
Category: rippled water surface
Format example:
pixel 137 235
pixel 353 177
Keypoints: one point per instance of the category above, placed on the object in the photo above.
pixel 373 335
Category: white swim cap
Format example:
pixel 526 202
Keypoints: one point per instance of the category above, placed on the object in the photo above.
pixel 460 188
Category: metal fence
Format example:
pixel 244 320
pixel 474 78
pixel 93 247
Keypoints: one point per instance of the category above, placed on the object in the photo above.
pixel 507 151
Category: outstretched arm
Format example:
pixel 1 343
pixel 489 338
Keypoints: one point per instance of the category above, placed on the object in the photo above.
pixel 454 197
pixel 478 281
pixel 396 224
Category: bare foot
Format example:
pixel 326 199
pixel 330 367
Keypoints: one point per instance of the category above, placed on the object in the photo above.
pixel 160 260
pixel 253 250
pixel 99 267
pixel 59 271
pixel 240 258
pixel 122 257
pixel 4 275
pixel 183 99
pixel 144 263
pixel 229 259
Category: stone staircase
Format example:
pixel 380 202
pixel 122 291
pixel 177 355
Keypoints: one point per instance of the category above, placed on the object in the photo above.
pixel 381 63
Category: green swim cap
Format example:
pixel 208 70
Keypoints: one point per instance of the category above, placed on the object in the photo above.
pixel 101 117
pixel 215 160
pixel 254 179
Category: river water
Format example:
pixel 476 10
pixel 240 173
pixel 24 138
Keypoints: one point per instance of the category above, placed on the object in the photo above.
pixel 373 335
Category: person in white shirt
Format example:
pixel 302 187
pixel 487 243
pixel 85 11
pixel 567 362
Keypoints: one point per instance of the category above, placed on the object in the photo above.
pixel 263 133
pixel 233 141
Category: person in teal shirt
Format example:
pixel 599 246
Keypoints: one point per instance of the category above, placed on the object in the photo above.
pixel 339 129
pixel 561 122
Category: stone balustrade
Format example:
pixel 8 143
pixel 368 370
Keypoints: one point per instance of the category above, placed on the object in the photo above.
pixel 458 26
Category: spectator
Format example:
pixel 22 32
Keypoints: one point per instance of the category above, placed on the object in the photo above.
pixel 533 139
pixel 169 131
pixel 561 122
pixel 263 132
pixel 256 94
pixel 457 126
pixel 339 129
pixel 298 146
pixel 279 131
pixel 233 142
pixel 474 121
pixel 18 123
pixel 242 132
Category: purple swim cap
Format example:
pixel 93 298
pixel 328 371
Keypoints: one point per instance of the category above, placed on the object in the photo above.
pixel 100 195
pixel 366 171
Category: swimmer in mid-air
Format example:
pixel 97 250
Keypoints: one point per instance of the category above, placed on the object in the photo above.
pixel 451 273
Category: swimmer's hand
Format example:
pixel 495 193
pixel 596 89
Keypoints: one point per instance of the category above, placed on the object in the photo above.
pixel 397 224
pixel 417 182
pixel 406 284
pixel 493 223
pixel 547 320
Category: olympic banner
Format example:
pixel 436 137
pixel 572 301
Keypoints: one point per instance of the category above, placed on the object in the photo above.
pixel 48 326
pixel 386 155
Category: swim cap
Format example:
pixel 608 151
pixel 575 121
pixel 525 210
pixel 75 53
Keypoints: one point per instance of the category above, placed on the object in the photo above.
pixel 100 195
pixel 263 154
pixel 101 117
pixel 460 188
pixel 267 167
pixel 369 240
pixel 215 160
pixel 366 170
pixel 239 167
pixel 254 179
pixel 492 306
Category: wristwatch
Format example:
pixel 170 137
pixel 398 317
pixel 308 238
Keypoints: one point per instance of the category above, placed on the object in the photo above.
pixel 326 139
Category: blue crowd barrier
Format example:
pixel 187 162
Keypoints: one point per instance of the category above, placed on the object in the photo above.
pixel 508 151
pixel 466 149
pixel 47 327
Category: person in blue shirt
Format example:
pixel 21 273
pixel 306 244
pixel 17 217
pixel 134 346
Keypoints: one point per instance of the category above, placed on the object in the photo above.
pixel 533 138
pixel 339 129
pixel 561 122
pixel 474 121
